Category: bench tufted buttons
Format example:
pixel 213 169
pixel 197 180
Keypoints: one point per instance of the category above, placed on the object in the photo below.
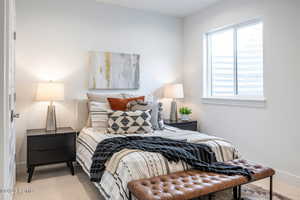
pixel 185 180
pixel 156 193
pixel 177 188
pixel 165 190
pixel 155 188
pixel 165 184
pixel 197 183
pixel 144 183
pixel 188 186
pixel 205 180
pixel 175 182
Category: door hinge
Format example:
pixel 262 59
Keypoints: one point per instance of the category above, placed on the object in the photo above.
pixel 15 35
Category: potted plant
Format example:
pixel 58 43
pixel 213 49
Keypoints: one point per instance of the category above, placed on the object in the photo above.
pixel 185 112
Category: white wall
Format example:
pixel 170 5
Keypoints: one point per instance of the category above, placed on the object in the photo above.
pixel 269 135
pixel 53 41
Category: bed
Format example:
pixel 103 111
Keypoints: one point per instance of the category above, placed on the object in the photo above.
pixel 123 168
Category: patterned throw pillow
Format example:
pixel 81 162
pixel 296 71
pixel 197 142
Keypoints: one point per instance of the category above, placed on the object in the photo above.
pixel 156 112
pixel 98 114
pixel 160 119
pixel 122 122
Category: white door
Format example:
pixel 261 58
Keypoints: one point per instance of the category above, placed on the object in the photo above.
pixel 12 94
pixel 8 152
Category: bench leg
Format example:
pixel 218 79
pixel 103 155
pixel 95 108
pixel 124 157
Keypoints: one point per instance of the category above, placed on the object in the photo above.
pixel 239 192
pixel 210 197
pixel 130 196
pixel 235 193
pixel 271 187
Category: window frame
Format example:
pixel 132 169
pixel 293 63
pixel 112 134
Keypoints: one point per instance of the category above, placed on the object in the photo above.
pixel 239 100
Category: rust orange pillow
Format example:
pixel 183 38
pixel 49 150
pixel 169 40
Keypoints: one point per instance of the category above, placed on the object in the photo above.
pixel 121 104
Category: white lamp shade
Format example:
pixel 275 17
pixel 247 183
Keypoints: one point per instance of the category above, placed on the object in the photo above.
pixel 50 92
pixel 174 91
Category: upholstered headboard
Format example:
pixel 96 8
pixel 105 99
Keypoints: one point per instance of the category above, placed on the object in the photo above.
pixel 81 113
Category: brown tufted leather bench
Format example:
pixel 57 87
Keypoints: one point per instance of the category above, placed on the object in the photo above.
pixel 194 183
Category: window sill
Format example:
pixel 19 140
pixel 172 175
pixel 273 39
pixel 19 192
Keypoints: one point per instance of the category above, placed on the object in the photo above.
pixel 235 101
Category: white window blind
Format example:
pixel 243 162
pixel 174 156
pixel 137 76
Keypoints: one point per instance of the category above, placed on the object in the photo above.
pixel 235 61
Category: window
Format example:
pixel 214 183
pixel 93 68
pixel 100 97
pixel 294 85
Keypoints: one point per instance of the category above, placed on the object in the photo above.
pixel 234 65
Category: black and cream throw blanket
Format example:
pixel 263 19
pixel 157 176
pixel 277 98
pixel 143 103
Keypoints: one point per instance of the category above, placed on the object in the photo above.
pixel 198 156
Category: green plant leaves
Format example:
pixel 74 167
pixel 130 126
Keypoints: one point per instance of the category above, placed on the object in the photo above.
pixel 185 111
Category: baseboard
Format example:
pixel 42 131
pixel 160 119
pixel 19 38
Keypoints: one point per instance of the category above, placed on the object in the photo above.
pixel 21 167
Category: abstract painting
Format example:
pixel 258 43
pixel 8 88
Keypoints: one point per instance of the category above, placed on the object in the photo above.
pixel 114 70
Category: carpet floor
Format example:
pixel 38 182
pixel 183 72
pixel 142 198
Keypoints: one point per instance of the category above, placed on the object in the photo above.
pixel 55 183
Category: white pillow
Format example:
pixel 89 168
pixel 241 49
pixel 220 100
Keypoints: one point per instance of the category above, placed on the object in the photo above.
pixel 148 98
pixel 98 114
pixel 101 97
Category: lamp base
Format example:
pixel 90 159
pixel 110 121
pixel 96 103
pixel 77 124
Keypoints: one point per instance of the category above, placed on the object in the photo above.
pixel 51 119
pixel 173 113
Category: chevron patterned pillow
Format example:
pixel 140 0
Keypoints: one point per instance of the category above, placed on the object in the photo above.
pixel 130 122
pixel 156 111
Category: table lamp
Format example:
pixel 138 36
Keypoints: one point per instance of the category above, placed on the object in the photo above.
pixel 50 92
pixel 174 91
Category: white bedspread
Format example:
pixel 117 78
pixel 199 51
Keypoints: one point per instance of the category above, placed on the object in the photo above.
pixel 124 166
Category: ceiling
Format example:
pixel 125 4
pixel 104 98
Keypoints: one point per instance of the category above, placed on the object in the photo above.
pixel 178 8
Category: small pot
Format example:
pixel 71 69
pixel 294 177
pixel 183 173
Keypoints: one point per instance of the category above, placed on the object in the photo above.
pixel 185 117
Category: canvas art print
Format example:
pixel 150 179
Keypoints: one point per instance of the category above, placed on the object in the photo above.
pixel 114 70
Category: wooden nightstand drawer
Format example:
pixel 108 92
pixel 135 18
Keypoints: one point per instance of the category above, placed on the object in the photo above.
pixel 190 127
pixel 51 142
pixel 39 157
pixel 185 125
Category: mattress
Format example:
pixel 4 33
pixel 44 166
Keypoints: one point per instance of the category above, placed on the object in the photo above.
pixel 138 164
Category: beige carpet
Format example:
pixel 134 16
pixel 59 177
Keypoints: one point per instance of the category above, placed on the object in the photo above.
pixel 250 192
pixel 55 183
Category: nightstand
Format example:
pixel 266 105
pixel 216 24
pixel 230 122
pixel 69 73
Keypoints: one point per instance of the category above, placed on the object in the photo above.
pixel 50 147
pixel 185 125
